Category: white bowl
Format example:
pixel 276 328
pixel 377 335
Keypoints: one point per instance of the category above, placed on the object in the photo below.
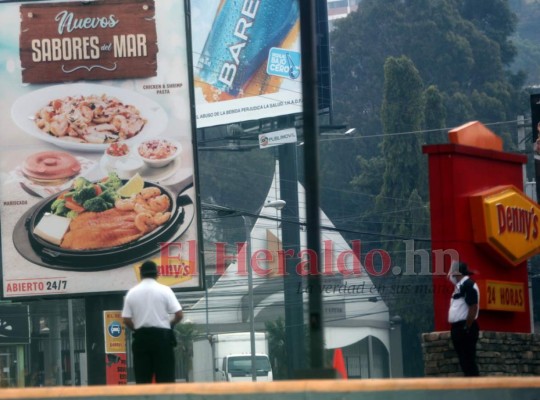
pixel 112 159
pixel 128 167
pixel 157 153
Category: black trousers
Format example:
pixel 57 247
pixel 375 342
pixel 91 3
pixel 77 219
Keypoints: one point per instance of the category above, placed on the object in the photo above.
pixel 153 354
pixel 465 345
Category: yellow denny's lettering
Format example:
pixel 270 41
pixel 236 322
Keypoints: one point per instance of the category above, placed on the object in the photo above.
pixel 517 220
pixel 506 222
pixel 177 270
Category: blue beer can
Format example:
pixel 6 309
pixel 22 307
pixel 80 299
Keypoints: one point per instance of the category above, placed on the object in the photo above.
pixel 239 42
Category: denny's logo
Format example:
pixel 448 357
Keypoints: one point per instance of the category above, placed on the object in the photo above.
pixel 506 222
pixel 174 272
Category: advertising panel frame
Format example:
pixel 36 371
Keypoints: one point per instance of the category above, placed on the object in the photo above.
pixel 179 175
pixel 277 94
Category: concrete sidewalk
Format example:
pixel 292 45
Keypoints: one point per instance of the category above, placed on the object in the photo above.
pixel 483 388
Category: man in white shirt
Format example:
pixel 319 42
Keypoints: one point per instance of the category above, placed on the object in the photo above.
pixel 148 308
pixel 462 316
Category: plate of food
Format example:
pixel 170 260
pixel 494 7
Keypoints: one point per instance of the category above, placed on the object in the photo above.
pixel 88 117
pixel 97 225
pixel 48 172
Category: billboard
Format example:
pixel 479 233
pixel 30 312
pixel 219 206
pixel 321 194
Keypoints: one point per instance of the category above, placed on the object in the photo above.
pixel 246 60
pixel 97 158
pixel 535 119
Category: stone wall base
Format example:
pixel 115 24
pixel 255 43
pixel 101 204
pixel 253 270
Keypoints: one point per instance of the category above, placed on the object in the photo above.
pixel 497 353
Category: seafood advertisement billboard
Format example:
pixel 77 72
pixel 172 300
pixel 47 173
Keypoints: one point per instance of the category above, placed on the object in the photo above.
pixel 97 159
pixel 246 60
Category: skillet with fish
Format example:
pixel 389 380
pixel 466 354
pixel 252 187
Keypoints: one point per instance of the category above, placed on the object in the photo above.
pixel 98 237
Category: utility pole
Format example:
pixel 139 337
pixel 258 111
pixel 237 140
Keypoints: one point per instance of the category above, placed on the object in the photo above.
pixel 292 281
pixel 521 144
pixel 311 168
pixel 529 187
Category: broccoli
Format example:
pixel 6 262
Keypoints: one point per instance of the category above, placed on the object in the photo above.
pixel 96 204
pixel 72 214
pixel 57 203
pixel 69 194
pixel 58 207
pixel 113 181
pixel 62 211
pixel 85 193
pixel 80 182
pixel 110 196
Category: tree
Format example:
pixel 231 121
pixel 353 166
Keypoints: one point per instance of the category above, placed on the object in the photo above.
pixel 527 40
pixel 468 49
pixel 278 349
pixel 463 62
pixel 399 206
pixel 402 111
pixel 185 333
pixel 461 50
pixel 495 20
pixel 435 116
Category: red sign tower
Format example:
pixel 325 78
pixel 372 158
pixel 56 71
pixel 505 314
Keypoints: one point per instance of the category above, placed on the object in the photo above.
pixel 479 212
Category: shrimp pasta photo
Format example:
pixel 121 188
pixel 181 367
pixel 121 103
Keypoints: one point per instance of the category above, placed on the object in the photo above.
pixel 88 117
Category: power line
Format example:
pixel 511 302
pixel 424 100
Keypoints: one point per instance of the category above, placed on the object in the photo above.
pixel 323 227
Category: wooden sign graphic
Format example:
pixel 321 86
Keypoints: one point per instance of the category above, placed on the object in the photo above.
pixel 96 40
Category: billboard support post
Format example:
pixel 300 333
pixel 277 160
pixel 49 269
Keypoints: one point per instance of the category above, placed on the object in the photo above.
pixel 311 166
pixel 290 227
pixel 71 343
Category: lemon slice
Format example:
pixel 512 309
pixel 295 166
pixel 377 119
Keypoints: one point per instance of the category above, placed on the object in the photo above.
pixel 131 187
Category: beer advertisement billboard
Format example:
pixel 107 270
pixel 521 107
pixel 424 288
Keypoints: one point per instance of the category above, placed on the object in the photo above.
pixel 97 158
pixel 246 60
pixel 535 118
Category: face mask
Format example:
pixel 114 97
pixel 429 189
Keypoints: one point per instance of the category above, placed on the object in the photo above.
pixel 453 279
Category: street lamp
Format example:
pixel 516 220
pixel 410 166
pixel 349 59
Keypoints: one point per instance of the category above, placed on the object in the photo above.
pixel 250 297
pixel 292 281
pixel 278 205
pixel 396 350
